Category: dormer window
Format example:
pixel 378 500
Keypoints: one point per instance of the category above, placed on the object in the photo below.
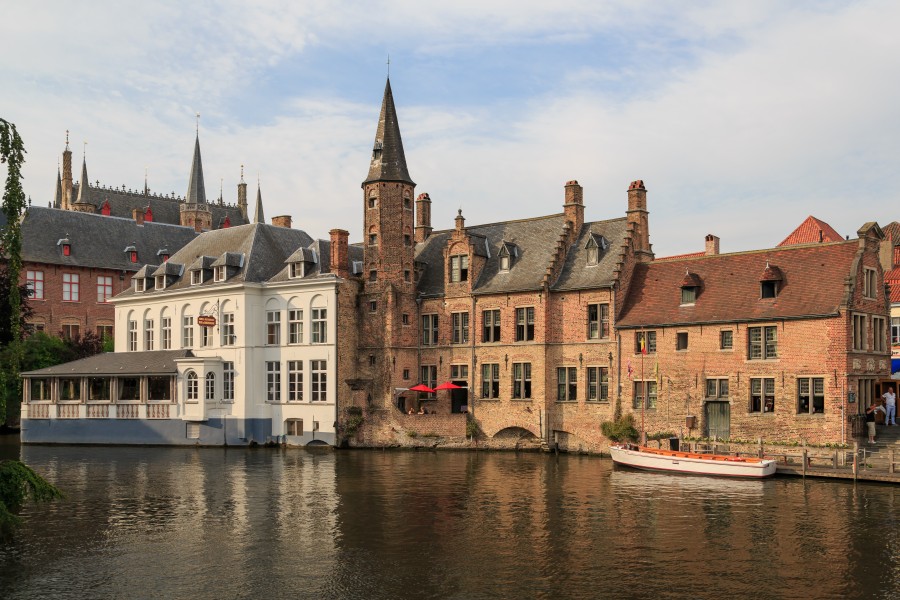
pixel 459 268
pixel 163 254
pixel 196 277
pixel 690 288
pixel 140 284
pixel 688 295
pixel 133 256
pixel 66 246
pixel 595 245
pixel 297 270
pixel 219 273
pixel 769 282
pixel 504 262
pixel 160 282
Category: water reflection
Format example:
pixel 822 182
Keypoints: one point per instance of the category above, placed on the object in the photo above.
pixel 220 523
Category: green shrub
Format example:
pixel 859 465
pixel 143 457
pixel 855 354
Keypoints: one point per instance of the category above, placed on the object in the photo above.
pixel 620 430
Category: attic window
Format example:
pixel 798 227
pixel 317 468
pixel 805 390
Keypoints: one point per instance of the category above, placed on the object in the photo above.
pixel 196 277
pixel 688 295
pixel 66 245
pixel 504 262
pixel 163 253
pixel 160 282
pixel 593 251
pixel 297 270
pixel 133 256
pixel 140 284
pixel 768 282
pixel 459 268
pixel 220 274
pixel 768 289
pixel 690 287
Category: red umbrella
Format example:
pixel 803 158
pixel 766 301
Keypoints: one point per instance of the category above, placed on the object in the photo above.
pixel 448 385
pixel 421 388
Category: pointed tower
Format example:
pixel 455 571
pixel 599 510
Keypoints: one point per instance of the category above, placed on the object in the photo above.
pixel 194 211
pixel 388 258
pixel 83 203
pixel 258 216
pixel 67 177
pixel 242 195
pixel 57 202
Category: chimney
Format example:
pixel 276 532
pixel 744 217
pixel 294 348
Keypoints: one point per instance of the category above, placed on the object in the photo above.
pixel 638 219
pixel 574 206
pixel 460 221
pixel 423 217
pixel 712 245
pixel 340 252
pixel 282 221
pixel 138 216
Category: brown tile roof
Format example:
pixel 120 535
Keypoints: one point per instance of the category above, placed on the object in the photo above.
pixel 813 285
pixel 677 256
pixel 812 231
pixel 892 230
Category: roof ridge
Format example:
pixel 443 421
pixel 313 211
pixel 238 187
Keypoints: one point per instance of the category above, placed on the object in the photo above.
pixel 789 248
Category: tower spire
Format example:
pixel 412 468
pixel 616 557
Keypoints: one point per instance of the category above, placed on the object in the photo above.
pixel 196 193
pixel 258 216
pixel 388 160
pixel 84 193
pixel 57 203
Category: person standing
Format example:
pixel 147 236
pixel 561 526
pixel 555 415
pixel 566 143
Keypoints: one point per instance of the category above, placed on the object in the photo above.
pixel 870 419
pixel 890 407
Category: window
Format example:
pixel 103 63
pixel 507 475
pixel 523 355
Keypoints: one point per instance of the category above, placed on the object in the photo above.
pixel 133 256
pixel 70 287
pixel 296 270
pixel 130 388
pixel 104 288
pixel 70 389
pixel 140 284
pixel 193 387
pixel 598 321
pixel 319 322
pixel 810 395
pixel 768 289
pixel 524 324
pixel 644 395
pixel 165 333
pixel 373 239
pixel 406 275
pixel 228 336
pixel 407 240
pixel 373 275
pixel 895 331
pixel 504 262
pixel 460 328
pixel 598 384
pixel 159 388
pixel 593 252
pixel 293 427
pixel 763 343
pixel 716 388
pixel 429 378
pixel 206 335
pixel 406 374
pixel 132 336
pixel 726 340
pixel 105 332
pixel 319 380
pixel 406 202
pixel 34 280
pixel 491 325
pixel 688 295
pixel 566 384
pixel 228 381
pixel 219 273
pixel 405 319
pixel 879 334
pixel 295 380
pixel 681 340
pixel 273 381
pixel 273 327
pixel 187 331
pixel 70 331
pixel 160 282
pixel 372 202
pixel 870 277
pixel 197 277
pixel 295 326
pixel 372 360
pixel 859 332
pixel 521 381
pixel 429 330
pixel 459 268
pixel 645 342
pixel 459 372
pixel 490 380
pixel 210 386
pixel 40 390
pixel 762 395
pixel 148 334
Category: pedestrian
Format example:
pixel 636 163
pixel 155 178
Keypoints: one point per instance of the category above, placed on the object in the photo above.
pixel 890 407
pixel 870 419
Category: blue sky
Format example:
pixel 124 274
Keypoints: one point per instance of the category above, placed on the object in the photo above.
pixel 742 118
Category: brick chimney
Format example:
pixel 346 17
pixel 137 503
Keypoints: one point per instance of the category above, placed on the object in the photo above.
pixel 638 220
pixel 340 252
pixel 460 221
pixel 574 206
pixel 282 221
pixel 423 218
pixel 138 215
pixel 712 245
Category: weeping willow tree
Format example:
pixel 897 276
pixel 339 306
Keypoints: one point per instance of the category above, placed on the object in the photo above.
pixel 18 482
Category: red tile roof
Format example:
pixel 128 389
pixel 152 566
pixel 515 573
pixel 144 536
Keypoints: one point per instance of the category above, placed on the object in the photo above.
pixel 812 231
pixel 813 285
pixel 892 278
pixel 677 256
pixel 892 230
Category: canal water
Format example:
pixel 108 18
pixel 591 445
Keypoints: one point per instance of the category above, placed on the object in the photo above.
pixel 273 523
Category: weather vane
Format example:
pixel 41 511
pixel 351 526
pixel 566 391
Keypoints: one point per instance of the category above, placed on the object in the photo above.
pixel 389 66
pixel 198 123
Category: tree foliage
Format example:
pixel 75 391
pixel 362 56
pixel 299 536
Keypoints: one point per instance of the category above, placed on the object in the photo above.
pixel 621 429
pixel 18 481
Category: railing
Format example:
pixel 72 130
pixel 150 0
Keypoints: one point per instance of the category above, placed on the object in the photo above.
pixel 97 411
pixel 67 411
pixel 158 411
pixel 127 411
pixel 38 411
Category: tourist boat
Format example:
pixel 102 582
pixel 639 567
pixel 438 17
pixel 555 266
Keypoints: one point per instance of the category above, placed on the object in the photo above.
pixel 674 461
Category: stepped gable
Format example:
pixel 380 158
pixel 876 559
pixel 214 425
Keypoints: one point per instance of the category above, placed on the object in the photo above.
pixel 813 285
pixel 812 231
pixel 165 209
pixel 97 241
pixel 576 273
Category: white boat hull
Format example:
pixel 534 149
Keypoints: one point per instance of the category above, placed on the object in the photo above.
pixel 686 462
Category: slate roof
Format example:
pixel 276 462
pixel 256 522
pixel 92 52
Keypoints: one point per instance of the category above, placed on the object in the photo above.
pixel 812 285
pixel 388 160
pixel 96 241
pixel 535 242
pixel 165 209
pixel 264 248
pixel 196 193
pixel 812 231
pixel 159 362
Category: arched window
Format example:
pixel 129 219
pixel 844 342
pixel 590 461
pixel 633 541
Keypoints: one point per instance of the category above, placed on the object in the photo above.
pixel 210 386
pixel 193 386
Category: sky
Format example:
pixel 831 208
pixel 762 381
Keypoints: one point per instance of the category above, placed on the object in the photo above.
pixel 742 118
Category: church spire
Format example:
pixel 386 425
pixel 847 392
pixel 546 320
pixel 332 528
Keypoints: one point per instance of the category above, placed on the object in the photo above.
pixel 388 161
pixel 258 216
pixel 84 192
pixel 57 203
pixel 196 193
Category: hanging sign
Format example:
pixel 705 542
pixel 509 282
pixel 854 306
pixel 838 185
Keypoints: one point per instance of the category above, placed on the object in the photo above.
pixel 206 321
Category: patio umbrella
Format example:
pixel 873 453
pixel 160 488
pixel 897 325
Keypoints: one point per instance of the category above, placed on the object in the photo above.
pixel 448 385
pixel 421 388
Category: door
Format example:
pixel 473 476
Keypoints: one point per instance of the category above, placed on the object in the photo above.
pixel 459 397
pixel 718 420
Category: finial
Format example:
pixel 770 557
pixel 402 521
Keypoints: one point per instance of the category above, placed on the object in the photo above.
pixel 198 124
pixel 67 139
pixel 221 183
pixel 242 173
pixel 146 189
pixel 459 212
pixel 389 66
pixel 84 151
